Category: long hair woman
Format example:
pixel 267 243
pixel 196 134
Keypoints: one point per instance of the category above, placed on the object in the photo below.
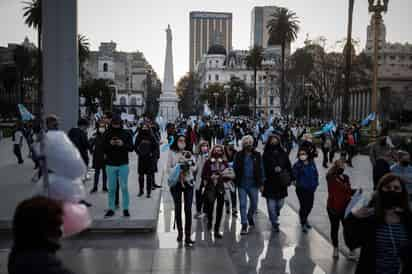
pixel 183 188
pixel 383 230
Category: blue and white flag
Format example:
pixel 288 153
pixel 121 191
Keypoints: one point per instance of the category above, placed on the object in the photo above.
pixel 24 113
pixel 368 119
pixel 166 147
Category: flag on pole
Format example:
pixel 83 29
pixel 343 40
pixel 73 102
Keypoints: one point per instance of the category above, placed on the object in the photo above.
pixel 24 113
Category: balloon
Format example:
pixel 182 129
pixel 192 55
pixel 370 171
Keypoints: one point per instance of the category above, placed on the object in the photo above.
pixel 62 156
pixel 76 218
pixel 63 189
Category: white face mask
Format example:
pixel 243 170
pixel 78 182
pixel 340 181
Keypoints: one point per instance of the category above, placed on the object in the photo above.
pixel 303 157
pixel 181 146
pixel 102 130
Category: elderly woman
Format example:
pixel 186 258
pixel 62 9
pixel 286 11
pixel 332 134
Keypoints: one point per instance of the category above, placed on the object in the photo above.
pixel 37 231
pixel 249 179
pixel 383 230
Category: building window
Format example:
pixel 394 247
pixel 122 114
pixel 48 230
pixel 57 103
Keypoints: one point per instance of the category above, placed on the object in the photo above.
pixel 260 91
pixel 210 62
pixel 393 57
pixel 133 101
pixel 105 67
pixel 260 101
pixel 271 112
pixel 271 100
pixel 217 77
pixel 210 77
pixel 245 77
pixel 122 101
pixel 260 78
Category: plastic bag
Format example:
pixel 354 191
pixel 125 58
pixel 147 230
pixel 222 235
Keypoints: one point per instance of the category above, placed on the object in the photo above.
pixel 359 200
pixel 76 218
pixel 62 156
pixel 174 176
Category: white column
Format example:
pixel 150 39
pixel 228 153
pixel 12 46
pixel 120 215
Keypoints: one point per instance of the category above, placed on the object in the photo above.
pixel 60 61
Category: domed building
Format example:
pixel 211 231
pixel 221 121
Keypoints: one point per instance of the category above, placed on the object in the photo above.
pixel 220 66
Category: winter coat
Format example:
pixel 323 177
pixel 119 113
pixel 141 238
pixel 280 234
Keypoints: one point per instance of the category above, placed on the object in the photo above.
pixel 147 149
pixel 80 140
pixel 117 155
pixel 211 167
pixel 306 176
pixel 257 168
pixel 271 159
pixel 339 192
pixel 97 148
pixel 36 260
pixel 362 233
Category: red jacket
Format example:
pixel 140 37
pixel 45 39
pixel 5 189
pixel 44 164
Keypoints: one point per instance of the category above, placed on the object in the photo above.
pixel 339 192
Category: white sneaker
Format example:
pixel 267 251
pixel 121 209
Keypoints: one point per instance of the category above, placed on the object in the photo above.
pixel 335 253
pixel 352 255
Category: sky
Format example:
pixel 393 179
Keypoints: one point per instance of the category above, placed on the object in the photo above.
pixel 140 25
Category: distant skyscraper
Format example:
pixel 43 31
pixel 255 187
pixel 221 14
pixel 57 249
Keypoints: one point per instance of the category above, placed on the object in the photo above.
pixel 207 29
pixel 259 35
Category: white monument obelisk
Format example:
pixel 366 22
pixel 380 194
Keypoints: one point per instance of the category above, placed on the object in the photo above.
pixel 168 108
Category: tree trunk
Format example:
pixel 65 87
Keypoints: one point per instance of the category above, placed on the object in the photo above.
pixel 282 88
pixel 40 75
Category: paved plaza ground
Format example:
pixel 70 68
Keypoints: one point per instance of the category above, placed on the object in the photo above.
pixel 290 251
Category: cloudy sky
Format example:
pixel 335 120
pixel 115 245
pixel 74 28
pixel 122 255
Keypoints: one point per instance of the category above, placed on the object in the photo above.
pixel 140 25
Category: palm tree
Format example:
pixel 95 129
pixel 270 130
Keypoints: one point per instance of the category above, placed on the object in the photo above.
pixel 283 29
pixel 254 61
pixel 84 52
pixel 32 15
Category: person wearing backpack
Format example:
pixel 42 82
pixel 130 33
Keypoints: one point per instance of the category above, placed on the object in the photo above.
pixel 147 149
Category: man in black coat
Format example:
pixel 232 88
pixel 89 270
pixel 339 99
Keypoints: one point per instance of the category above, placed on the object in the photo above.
pixel 147 149
pixel 78 136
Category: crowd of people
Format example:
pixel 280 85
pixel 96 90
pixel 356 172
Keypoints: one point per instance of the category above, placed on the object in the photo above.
pixel 229 163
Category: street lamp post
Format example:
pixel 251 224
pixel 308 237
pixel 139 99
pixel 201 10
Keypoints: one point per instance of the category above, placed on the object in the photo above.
pixel 376 7
pixel 227 90
pixel 307 87
pixel 215 95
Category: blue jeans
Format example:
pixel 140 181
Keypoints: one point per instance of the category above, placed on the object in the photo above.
pixel 253 194
pixel 274 206
pixel 121 173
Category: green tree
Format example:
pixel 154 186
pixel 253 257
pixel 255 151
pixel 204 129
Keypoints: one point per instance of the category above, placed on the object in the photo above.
pixel 239 95
pixel 97 89
pixel 254 61
pixel 23 61
pixel 283 29
pixel 208 94
pixel 186 88
pixel 84 52
pixel 32 18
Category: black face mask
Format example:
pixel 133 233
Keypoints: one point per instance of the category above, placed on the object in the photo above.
pixel 391 199
pixel 404 163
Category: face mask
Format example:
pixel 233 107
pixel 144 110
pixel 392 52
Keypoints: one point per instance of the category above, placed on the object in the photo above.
pixel 181 146
pixel 303 157
pixel 102 130
pixel 391 199
pixel 248 147
pixel 340 171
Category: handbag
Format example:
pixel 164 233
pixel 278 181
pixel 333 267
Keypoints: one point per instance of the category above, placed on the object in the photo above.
pixel 284 179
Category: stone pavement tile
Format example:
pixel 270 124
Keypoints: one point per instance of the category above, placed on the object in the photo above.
pixel 16 186
pixel 196 260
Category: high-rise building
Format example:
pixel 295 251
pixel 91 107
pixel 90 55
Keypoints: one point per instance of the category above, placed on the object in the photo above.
pixel 207 29
pixel 259 34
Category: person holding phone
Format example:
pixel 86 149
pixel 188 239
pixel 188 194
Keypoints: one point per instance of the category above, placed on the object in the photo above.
pixel 117 145
pixel 383 230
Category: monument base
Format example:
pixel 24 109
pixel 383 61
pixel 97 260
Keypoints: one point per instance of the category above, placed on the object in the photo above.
pixel 168 108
